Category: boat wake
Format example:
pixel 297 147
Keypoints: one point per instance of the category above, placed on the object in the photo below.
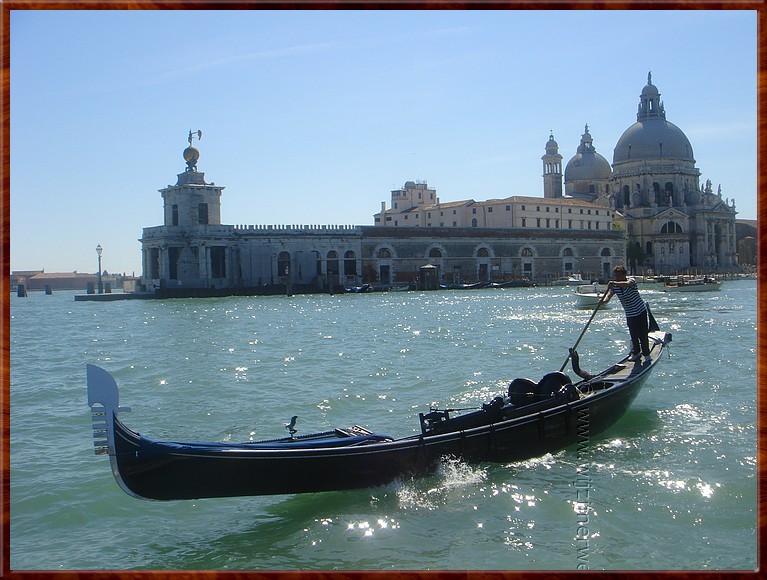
pixel 453 475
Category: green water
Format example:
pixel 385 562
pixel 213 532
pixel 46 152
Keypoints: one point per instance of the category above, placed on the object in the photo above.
pixel 673 483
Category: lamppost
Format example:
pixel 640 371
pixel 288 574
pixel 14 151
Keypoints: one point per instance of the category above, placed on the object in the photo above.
pixel 99 249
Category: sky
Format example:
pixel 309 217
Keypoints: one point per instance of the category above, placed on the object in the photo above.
pixel 313 117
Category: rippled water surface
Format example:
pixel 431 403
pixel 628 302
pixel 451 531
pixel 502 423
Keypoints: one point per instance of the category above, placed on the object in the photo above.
pixel 673 483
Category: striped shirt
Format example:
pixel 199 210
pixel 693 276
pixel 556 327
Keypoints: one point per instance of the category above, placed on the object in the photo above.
pixel 630 300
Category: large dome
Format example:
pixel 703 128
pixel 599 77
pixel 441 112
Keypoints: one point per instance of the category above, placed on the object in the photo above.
pixel 652 137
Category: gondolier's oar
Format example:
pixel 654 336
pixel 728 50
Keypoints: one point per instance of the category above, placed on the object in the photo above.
pixel 577 342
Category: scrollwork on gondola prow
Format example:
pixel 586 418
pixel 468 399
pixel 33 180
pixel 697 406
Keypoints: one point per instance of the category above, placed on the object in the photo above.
pixel 104 401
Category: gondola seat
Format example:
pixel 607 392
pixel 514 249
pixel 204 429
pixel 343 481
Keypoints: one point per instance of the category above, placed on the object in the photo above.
pixel 526 391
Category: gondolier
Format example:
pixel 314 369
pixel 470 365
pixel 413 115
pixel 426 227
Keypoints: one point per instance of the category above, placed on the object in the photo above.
pixel 635 308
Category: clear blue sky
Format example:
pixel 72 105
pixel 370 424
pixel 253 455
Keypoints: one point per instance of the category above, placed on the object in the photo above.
pixel 314 117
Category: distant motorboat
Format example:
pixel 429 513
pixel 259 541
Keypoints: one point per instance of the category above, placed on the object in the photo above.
pixel 587 295
pixel 571 280
pixel 704 284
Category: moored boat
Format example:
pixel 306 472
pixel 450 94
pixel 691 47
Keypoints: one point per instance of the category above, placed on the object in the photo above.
pixel 530 420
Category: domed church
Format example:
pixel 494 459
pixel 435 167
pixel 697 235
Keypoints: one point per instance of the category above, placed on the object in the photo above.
pixel 673 224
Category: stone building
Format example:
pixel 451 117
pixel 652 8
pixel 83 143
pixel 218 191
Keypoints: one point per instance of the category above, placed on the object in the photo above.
pixel 193 253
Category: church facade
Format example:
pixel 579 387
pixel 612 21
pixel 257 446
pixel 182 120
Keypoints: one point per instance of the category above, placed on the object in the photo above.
pixel 647 210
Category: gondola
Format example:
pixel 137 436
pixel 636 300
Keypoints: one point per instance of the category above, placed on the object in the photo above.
pixel 530 420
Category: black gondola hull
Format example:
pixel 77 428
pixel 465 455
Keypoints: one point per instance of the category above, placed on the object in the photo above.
pixel 168 470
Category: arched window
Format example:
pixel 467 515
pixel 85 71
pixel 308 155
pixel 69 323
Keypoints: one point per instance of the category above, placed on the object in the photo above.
pixel 350 264
pixel 483 253
pixel 527 253
pixel 384 253
pixel 474 222
pixel 656 192
pixel 568 252
pixel 606 252
pixel 332 262
pixel 671 228
pixel 435 253
pixel 283 264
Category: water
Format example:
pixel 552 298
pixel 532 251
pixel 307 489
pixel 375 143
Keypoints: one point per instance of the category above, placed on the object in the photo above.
pixel 673 483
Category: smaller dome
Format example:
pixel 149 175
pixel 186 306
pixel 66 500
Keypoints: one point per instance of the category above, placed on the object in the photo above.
pixel 409 185
pixel 552 147
pixel 587 164
pixel 587 167
pixel 650 91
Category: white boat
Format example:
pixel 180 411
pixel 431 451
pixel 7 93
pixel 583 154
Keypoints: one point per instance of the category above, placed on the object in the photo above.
pixel 588 295
pixel 692 285
pixel 571 280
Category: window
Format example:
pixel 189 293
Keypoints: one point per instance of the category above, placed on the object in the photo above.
pixel 350 264
pixel 474 222
pixel 548 222
pixel 283 264
pixel 568 252
pixel 537 222
pixel 508 208
pixel 524 222
pixel 384 253
pixel 332 263
pixel 202 214
pixel 474 210
pixel 218 262
pixel 435 253
pixel 547 209
pixel 523 208
pixel 527 253
pixel 174 214
pixel 671 228
pixel 490 210
pixel 173 254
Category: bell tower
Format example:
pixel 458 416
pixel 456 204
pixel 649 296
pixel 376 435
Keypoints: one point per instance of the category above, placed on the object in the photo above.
pixel 552 169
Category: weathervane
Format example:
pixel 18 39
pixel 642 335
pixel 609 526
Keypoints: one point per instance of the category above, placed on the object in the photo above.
pixel 191 136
